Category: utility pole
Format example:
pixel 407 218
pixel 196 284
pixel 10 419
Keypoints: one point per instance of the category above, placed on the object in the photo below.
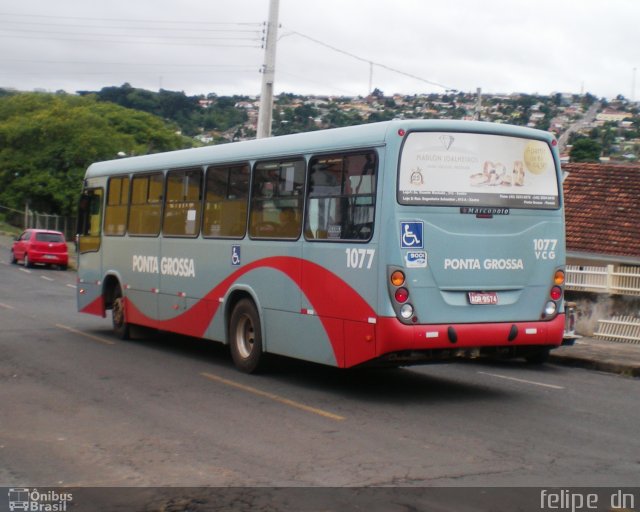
pixel 268 72
pixel 478 109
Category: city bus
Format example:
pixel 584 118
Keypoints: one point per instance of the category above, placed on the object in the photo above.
pixel 393 243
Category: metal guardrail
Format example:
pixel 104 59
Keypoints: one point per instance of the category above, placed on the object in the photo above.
pixel 23 219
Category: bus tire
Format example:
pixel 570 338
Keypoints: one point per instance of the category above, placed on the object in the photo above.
pixel 245 337
pixel 118 315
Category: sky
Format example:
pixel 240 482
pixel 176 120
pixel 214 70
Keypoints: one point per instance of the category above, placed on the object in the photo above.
pixel 324 47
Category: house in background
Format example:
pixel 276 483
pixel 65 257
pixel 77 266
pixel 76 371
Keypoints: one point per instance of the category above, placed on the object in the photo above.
pixel 602 209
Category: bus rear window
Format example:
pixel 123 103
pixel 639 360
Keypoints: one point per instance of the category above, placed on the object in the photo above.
pixel 473 169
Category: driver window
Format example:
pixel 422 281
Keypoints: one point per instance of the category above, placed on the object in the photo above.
pixel 90 220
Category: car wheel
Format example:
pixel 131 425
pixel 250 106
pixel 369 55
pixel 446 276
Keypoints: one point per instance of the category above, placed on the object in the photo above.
pixel 118 315
pixel 26 261
pixel 245 337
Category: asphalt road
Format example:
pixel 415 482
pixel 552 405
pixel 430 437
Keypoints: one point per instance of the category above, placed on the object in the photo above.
pixel 82 408
pixel 583 122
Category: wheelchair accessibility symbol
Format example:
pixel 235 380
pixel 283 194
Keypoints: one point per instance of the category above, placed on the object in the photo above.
pixel 411 235
pixel 235 255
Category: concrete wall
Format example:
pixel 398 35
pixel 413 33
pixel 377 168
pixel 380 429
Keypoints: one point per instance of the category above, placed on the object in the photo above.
pixel 595 306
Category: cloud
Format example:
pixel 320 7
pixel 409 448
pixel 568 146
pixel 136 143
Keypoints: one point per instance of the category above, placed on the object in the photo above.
pixel 498 45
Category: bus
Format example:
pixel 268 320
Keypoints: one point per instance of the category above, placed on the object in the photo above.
pixel 396 243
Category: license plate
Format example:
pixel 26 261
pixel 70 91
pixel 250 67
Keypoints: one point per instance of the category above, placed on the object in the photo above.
pixel 50 257
pixel 483 298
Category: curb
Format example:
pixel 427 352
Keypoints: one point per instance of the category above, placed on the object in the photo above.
pixel 619 368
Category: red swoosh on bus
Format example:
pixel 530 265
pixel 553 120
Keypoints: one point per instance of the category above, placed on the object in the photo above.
pixel 329 295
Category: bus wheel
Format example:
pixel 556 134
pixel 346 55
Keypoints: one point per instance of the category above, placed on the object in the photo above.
pixel 245 337
pixel 120 325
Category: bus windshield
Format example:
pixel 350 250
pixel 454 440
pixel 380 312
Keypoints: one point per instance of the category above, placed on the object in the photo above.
pixel 473 169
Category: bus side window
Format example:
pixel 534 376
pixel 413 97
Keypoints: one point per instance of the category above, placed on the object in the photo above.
pixel 90 220
pixel 276 200
pixel 341 197
pixel 226 201
pixel 146 204
pixel 183 203
pixel 115 214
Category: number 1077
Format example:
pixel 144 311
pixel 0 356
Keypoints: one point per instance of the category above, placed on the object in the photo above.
pixel 360 258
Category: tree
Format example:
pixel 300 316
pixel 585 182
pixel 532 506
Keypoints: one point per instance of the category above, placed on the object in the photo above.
pixel 177 107
pixel 378 116
pixel 48 140
pixel 585 150
pixel 295 120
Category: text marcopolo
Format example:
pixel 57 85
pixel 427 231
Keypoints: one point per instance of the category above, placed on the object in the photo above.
pixel 180 267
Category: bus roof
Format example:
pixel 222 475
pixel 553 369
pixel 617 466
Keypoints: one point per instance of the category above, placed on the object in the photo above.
pixel 360 136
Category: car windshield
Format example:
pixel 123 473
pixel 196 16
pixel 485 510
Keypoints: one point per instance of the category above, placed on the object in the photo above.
pixel 49 237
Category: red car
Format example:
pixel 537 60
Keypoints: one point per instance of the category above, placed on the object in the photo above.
pixel 40 246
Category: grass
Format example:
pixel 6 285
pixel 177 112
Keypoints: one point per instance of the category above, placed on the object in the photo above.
pixel 8 229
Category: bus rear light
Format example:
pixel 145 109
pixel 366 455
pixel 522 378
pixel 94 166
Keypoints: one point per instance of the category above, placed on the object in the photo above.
pixel 556 293
pixel 550 308
pixel 406 312
pixel 397 278
pixel 399 296
pixel 402 295
pixel 402 132
pixel 558 278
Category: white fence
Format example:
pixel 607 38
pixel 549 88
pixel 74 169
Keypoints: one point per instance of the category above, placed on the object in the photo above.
pixel 619 328
pixel 610 279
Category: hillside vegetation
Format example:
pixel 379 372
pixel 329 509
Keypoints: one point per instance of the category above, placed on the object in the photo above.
pixel 48 140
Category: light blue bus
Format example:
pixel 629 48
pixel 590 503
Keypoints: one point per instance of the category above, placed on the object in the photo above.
pixel 397 243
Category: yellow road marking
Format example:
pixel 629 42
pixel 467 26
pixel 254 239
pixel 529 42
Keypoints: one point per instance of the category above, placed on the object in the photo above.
pixel 275 398
pixel 86 335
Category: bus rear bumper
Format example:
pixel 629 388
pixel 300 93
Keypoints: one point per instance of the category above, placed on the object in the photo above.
pixel 393 336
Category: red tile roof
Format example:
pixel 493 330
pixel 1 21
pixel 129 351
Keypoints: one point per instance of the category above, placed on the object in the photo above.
pixel 602 208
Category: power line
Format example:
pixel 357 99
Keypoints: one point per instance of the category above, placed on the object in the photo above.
pixel 369 61
pixel 121 20
pixel 129 35
pixel 190 29
pixel 114 73
pixel 139 31
pixel 129 41
pixel 137 64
